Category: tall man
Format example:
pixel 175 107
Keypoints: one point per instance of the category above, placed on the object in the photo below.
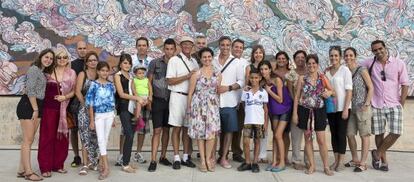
pixel 232 81
pixel 157 71
pixel 237 49
pixel 200 42
pixel 78 66
pixel 179 71
pixel 390 79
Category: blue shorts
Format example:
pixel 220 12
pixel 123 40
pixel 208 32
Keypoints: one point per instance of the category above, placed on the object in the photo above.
pixel 228 117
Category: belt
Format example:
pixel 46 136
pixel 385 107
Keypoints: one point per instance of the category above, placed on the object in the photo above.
pixel 182 93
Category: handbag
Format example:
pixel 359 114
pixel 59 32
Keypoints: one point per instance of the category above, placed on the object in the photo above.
pixel 330 102
pixel 364 115
pixel 70 120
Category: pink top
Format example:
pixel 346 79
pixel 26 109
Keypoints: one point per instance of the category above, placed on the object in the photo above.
pixel 387 93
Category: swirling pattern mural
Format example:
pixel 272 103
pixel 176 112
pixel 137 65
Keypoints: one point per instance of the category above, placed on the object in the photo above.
pixel 27 27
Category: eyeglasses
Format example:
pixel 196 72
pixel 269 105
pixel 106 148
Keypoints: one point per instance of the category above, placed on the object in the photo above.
pixel 62 57
pixel 383 78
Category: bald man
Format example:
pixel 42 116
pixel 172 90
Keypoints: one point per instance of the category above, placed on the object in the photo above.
pixel 78 66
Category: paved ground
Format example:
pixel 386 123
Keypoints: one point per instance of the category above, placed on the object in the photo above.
pixel 401 170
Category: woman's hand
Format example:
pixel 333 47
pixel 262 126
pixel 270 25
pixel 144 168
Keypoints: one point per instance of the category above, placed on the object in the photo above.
pixel 60 98
pixel 295 118
pixel 326 94
pixel 92 125
pixel 35 115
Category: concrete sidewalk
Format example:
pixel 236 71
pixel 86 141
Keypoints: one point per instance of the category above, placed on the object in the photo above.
pixel 401 170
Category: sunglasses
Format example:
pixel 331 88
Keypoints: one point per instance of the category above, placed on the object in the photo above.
pixel 62 57
pixel 383 78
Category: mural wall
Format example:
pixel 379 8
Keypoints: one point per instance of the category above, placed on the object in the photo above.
pixel 111 27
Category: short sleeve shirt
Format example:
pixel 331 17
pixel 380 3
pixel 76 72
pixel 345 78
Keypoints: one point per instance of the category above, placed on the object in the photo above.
pixel 254 112
pixel 176 68
pixel 158 69
pixel 101 97
pixel 340 81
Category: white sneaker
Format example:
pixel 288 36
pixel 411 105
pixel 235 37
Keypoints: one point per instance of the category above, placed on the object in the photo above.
pixel 139 158
pixel 119 161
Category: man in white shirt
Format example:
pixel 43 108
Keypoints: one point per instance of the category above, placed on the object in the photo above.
pixel 179 71
pixel 237 49
pixel 232 81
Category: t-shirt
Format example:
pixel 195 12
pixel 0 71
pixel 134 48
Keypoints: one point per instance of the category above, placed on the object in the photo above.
pixel 158 69
pixel 340 81
pixel 141 86
pixel 176 68
pixel 253 107
pixel 78 65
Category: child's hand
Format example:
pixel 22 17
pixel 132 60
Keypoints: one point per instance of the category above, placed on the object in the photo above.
pixel 113 124
pixel 268 88
pixel 247 88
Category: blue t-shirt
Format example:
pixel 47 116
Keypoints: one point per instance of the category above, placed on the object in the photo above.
pixel 101 97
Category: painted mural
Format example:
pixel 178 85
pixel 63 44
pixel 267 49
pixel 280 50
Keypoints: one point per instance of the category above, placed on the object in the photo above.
pixel 111 27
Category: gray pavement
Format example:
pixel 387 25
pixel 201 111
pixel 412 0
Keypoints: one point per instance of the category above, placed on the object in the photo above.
pixel 401 170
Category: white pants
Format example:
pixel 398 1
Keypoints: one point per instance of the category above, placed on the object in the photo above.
pixel 103 125
pixel 296 134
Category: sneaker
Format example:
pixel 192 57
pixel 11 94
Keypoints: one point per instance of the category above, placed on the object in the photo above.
pixel 244 167
pixel 128 169
pixel 225 164
pixel 238 158
pixel 176 165
pixel 255 168
pixel 152 167
pixel 139 158
pixel 164 161
pixel 76 161
pixel 188 163
pixel 119 160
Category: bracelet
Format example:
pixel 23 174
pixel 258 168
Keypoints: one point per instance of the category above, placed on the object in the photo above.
pixel 35 110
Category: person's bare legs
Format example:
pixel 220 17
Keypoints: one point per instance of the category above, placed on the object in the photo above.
pixel 281 146
pixel 226 144
pixel 176 140
pixel 164 141
pixel 353 147
pixel 256 152
pixel 202 150
pixel 29 128
pixel 105 165
pixel 140 142
pixel 385 144
pixel 85 157
pixel 365 148
pixel 246 149
pixel 323 151
pixel 155 143
pixel 275 152
pixel 186 141
pixel 309 154
pixel 209 153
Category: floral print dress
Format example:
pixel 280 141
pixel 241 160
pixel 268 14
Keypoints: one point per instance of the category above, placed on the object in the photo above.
pixel 204 116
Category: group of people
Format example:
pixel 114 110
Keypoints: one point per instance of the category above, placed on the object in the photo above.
pixel 212 99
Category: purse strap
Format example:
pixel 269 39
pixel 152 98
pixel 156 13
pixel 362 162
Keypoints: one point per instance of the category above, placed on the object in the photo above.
pixel 227 65
pixel 356 71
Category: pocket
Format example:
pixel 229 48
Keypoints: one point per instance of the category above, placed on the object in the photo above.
pixel 364 115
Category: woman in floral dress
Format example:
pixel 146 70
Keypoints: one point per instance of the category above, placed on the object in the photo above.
pixel 203 109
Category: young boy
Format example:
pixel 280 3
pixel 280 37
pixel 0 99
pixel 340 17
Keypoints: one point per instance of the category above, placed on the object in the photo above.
pixel 142 88
pixel 255 122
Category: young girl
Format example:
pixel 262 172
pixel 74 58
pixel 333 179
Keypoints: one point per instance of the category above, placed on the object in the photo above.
pixel 141 87
pixel 255 121
pixel 100 100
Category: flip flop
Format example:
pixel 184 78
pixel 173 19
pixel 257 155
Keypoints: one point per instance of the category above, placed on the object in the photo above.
pixel 375 162
pixel 62 171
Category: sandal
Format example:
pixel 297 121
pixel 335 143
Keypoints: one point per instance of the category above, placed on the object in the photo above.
pixel 263 161
pixel 210 167
pixel 375 162
pixel 83 171
pixel 351 163
pixel 128 169
pixel 310 171
pixel 360 168
pixel 20 174
pixel 328 172
pixel 47 174
pixel 62 171
pixel 29 177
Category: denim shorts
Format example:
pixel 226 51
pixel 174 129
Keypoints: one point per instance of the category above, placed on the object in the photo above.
pixel 228 117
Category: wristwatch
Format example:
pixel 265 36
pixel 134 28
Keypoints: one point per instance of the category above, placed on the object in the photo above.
pixel 230 88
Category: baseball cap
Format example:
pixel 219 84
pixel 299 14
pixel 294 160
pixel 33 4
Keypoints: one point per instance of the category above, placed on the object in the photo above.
pixel 186 39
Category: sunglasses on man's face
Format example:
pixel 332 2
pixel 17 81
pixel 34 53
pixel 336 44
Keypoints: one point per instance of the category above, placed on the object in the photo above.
pixel 383 78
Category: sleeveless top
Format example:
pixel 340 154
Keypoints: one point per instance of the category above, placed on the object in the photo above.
pixel 141 86
pixel 312 94
pixel 277 108
pixel 359 88
pixel 121 103
pixel 252 68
